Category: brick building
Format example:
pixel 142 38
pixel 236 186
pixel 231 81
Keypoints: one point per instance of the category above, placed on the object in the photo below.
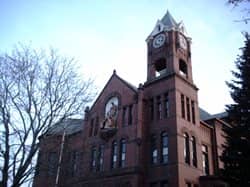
pixel 154 135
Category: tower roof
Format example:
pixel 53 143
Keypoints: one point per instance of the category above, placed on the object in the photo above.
pixel 168 21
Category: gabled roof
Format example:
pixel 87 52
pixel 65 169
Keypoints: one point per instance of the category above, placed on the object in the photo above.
pixel 220 115
pixel 70 126
pixel 204 115
pixel 129 85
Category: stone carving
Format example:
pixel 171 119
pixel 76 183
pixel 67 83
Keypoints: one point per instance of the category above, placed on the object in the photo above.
pixel 109 124
pixel 110 118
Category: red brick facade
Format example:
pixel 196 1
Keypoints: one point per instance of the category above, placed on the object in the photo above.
pixel 152 137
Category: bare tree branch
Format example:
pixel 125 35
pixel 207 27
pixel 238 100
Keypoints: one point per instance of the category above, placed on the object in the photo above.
pixel 37 90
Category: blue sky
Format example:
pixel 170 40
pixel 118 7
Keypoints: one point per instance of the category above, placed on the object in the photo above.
pixel 110 34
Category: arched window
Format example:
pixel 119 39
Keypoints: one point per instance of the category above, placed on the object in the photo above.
pixel 114 155
pixel 183 68
pixel 186 149
pixel 160 67
pixel 122 152
pixel 164 147
pixel 154 152
pixel 194 152
pixel 205 161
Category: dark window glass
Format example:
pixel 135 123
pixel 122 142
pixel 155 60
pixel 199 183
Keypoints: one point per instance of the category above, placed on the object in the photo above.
pixel 130 115
pixel 74 163
pixel 166 105
pixel 205 162
pixel 188 109
pixel 114 155
pixel 186 149
pixel 182 106
pixel 101 157
pixel 193 111
pixel 194 152
pixel 159 108
pixel 93 159
pixel 122 153
pixel 52 163
pixel 91 127
pixel 164 147
pixel 96 126
pixel 154 152
pixel 124 113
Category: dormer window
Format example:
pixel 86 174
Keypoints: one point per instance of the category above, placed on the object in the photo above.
pixel 160 67
pixel 183 68
pixel 159 28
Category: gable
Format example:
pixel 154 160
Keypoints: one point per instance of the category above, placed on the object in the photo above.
pixel 115 87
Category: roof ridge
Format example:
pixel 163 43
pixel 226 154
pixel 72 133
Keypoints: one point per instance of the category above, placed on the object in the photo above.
pixel 133 87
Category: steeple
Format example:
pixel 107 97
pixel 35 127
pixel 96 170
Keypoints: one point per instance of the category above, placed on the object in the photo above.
pixel 167 23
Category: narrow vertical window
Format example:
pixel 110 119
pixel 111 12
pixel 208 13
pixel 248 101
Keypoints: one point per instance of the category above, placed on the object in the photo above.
pixel 72 168
pixel 74 163
pixel 114 155
pixel 159 108
pixel 154 152
pixel 188 109
pixel 205 162
pixel 93 159
pixel 101 158
pixel 164 147
pixel 182 106
pixel 79 163
pixel 193 111
pixel 194 152
pixel 52 163
pixel 151 103
pixel 96 126
pixel 166 105
pixel 124 112
pixel 130 115
pixel 91 127
pixel 186 149
pixel 122 153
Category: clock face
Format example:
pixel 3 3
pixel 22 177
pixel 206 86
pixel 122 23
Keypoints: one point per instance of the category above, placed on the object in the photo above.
pixel 159 40
pixel 183 41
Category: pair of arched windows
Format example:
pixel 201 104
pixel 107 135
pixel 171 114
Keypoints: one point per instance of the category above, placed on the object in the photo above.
pixel 190 154
pixel 163 149
pixel 121 157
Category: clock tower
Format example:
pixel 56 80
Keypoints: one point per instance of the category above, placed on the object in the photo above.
pixel 169 50
pixel 172 102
